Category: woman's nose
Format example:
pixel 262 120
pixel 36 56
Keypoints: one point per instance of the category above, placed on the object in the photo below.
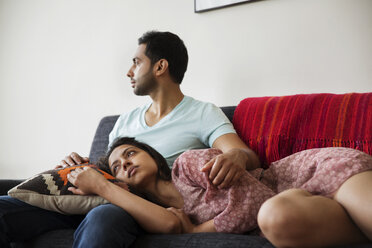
pixel 126 165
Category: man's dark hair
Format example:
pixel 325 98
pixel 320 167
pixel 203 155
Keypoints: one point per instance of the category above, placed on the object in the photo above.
pixel 166 45
pixel 164 172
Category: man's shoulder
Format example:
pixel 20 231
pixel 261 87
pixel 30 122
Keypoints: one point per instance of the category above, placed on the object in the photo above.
pixel 198 104
pixel 134 112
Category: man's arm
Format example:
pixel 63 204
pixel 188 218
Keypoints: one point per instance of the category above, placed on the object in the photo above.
pixel 226 168
pixel 71 160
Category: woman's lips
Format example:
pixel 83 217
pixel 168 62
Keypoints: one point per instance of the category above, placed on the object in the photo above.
pixel 132 170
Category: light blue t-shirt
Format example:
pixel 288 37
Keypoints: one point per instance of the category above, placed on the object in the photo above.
pixel 192 124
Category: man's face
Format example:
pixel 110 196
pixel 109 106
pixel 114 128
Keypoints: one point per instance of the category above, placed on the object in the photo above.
pixel 141 73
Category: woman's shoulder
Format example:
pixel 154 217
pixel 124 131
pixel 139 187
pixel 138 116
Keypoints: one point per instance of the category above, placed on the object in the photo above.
pixel 191 160
pixel 199 155
pixel 187 166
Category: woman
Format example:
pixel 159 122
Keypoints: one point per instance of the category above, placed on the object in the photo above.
pixel 185 201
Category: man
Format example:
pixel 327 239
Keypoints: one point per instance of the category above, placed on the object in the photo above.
pixel 172 123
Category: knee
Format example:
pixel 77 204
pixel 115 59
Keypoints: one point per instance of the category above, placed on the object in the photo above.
pixel 281 210
pixel 280 218
pixel 108 215
pixel 107 226
pixel 106 212
pixel 275 215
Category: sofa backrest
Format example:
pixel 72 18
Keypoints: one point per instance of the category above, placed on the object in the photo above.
pixel 275 127
pixel 101 137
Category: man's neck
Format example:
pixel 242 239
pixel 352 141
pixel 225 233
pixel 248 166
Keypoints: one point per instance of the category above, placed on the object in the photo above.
pixel 163 102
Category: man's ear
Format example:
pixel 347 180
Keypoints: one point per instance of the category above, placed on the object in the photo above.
pixel 160 67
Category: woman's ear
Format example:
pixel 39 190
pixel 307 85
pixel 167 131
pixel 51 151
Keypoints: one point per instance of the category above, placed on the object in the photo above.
pixel 160 67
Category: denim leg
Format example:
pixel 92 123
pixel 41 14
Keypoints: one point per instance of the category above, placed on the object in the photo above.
pixel 20 221
pixel 107 226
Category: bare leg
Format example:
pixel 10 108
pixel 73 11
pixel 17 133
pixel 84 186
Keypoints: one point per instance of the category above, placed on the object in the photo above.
pixel 355 195
pixel 295 218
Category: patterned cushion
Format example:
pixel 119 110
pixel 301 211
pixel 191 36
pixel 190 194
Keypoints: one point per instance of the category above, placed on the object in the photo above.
pixel 48 190
pixel 276 127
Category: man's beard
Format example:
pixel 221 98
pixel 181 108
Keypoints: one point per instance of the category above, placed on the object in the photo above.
pixel 145 85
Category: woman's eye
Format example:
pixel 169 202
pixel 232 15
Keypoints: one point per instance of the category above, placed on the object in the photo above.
pixel 130 153
pixel 114 169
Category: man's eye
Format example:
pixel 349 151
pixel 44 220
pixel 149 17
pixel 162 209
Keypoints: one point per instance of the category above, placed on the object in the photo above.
pixel 130 153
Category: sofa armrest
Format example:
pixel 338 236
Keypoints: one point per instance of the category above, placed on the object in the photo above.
pixel 7 184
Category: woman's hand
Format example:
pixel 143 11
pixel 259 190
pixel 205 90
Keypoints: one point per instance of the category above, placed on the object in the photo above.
pixel 186 225
pixel 87 181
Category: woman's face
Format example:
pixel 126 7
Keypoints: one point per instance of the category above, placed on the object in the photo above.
pixel 133 165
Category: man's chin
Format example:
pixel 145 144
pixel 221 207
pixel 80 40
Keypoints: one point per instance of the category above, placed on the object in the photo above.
pixel 138 92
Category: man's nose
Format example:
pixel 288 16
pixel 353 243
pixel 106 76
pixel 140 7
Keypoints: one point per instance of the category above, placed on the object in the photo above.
pixel 130 73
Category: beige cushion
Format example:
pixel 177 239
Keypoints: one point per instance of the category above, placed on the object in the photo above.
pixel 48 190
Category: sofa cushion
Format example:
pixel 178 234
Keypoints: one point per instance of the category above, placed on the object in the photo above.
pixel 276 127
pixel 48 190
pixel 202 240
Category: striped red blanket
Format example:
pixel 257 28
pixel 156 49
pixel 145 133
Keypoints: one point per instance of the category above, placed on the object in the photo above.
pixel 276 127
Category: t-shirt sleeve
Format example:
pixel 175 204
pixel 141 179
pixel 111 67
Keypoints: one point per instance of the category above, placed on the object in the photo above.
pixel 214 124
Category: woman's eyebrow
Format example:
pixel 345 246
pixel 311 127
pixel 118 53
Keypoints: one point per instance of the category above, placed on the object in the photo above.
pixel 123 153
pixel 125 150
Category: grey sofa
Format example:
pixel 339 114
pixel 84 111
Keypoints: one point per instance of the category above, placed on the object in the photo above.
pixel 64 238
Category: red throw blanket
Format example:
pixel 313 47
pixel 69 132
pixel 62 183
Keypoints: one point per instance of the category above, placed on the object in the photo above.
pixel 275 127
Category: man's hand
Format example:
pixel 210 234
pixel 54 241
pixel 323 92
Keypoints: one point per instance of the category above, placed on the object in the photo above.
pixel 226 168
pixel 71 160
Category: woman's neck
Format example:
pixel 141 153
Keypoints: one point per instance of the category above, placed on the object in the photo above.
pixel 166 194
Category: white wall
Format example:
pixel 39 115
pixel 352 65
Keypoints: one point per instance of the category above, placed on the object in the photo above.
pixel 63 62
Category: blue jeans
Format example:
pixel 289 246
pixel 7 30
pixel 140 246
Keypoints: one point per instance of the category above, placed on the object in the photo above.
pixel 104 226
